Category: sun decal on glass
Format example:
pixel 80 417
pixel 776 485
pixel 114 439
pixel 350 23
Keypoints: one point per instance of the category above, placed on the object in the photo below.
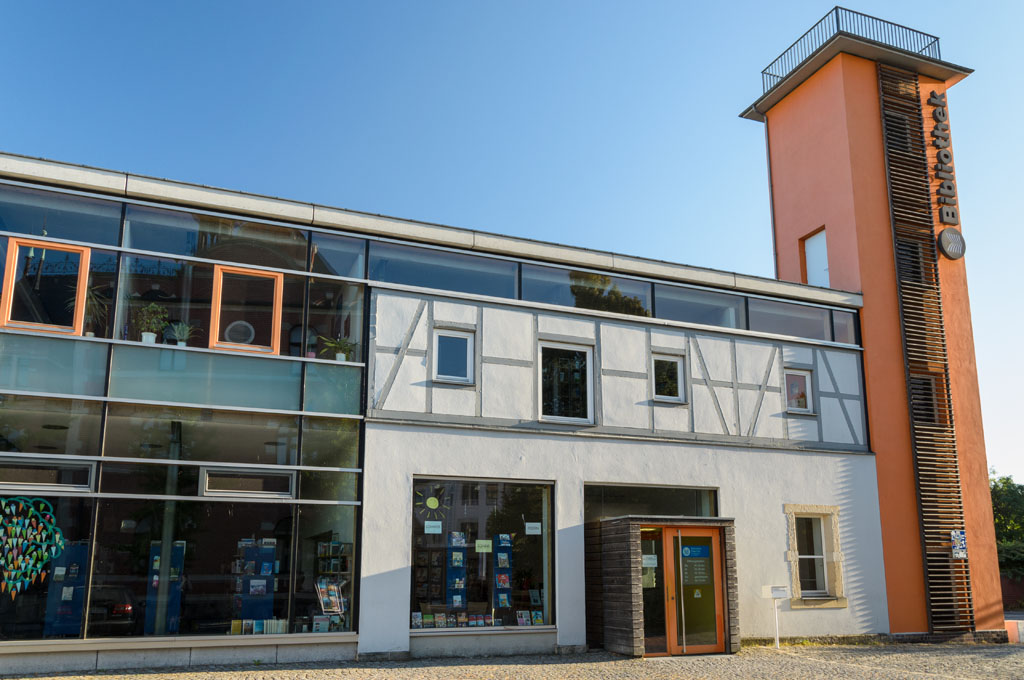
pixel 432 505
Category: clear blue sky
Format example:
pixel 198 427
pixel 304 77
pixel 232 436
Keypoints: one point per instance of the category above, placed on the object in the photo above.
pixel 605 124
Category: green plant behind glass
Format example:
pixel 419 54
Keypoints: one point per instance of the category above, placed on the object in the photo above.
pixel 337 346
pixel 150 319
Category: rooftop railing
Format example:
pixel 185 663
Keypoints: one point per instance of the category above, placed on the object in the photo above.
pixel 840 20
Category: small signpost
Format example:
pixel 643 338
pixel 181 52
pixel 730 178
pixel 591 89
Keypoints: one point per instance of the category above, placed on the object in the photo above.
pixel 777 593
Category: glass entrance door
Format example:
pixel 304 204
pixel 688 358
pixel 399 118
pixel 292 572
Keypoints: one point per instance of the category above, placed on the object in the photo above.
pixel 694 602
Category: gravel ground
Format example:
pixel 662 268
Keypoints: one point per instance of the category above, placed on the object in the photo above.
pixel 795 663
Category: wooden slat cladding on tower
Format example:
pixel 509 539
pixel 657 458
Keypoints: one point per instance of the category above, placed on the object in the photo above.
pixel 940 503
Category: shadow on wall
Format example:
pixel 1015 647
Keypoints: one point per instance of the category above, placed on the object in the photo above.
pixel 870 614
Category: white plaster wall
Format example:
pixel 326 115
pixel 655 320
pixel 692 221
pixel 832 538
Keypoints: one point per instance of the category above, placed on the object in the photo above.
pixel 753 487
pixel 506 382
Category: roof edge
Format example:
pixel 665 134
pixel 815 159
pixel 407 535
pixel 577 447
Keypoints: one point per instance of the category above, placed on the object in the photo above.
pixel 126 185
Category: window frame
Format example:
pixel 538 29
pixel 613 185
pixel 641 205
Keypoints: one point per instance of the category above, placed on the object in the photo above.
pixel 18 487
pixel 678 360
pixel 809 377
pixel 818 527
pixel 470 378
pixel 206 492
pixel 590 387
pixel 833 597
pixel 215 308
pixel 7 295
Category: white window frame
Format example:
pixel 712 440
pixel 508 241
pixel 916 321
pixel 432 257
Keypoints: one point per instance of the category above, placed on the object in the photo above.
pixel 204 479
pixel 809 375
pixel 589 351
pixel 15 461
pixel 680 378
pixel 470 357
pixel 834 597
pixel 820 528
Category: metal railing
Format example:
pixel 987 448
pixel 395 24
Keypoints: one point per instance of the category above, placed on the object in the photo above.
pixel 845 21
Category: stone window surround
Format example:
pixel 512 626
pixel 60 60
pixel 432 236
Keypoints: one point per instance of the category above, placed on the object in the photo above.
pixel 829 515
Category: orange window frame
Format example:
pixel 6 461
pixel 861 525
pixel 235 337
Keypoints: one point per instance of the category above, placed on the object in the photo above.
pixel 275 332
pixel 7 293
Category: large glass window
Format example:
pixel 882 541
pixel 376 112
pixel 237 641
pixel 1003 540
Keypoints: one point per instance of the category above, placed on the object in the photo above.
pixel 699 306
pixel 587 290
pixel 153 374
pixel 442 269
pixel 191 434
pixel 844 326
pixel 601 501
pixel 55 365
pixel 165 300
pixel 191 568
pixel 338 255
pixel 330 442
pixel 215 238
pixel 566 378
pixel 335 328
pixel 325 569
pixel 42 425
pixel 44 573
pixel 786 318
pixel 478 565
pixel 54 215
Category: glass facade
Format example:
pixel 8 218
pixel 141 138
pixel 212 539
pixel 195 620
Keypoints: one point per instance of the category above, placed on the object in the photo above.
pixel 481 554
pixel 172 487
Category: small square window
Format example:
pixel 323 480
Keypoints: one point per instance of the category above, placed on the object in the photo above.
pixel 45 286
pixel 453 357
pixel 246 309
pixel 668 379
pixel 798 391
pixel 566 380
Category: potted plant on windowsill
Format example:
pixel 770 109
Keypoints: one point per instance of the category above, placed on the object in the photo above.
pixel 182 331
pixel 340 347
pixel 149 321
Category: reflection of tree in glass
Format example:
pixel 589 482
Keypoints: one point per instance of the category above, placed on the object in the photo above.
pixel 597 291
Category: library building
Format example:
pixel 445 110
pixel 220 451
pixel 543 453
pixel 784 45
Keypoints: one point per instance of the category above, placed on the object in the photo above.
pixel 237 429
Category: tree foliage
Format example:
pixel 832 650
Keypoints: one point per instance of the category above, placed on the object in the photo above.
pixel 1008 512
pixel 597 291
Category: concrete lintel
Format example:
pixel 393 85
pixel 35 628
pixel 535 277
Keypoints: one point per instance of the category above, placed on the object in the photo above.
pixel 218 199
pixel 30 169
pixel 542 251
pixel 676 272
pixel 389 227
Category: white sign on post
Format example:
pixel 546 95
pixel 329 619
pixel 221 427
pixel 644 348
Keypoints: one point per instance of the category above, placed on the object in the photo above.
pixel 776 593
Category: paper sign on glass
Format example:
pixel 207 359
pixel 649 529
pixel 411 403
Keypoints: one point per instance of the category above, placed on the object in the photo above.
pixel 649 561
pixel 432 527
pixel 483 546
pixel 533 528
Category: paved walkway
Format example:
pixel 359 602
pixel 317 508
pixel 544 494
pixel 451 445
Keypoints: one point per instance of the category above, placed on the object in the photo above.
pixel 915 662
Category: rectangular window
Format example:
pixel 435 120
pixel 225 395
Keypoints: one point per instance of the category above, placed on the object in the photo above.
pixel 586 290
pixel 785 318
pixel 42 425
pixel 693 305
pixel 45 286
pixel 477 566
pixel 798 391
pixel 566 379
pixel 54 215
pixel 811 556
pixel 36 475
pixel 441 269
pixel 453 356
pixel 668 378
pixel 844 327
pixel 246 311
pixel 816 259
pixel 231 482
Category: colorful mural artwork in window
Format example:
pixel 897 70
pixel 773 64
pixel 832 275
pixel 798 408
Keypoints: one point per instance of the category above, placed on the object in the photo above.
pixel 29 540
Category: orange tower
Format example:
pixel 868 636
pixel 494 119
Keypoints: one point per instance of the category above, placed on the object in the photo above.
pixel 863 197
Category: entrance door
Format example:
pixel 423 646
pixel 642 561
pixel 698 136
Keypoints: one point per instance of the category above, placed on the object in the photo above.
pixel 689 581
